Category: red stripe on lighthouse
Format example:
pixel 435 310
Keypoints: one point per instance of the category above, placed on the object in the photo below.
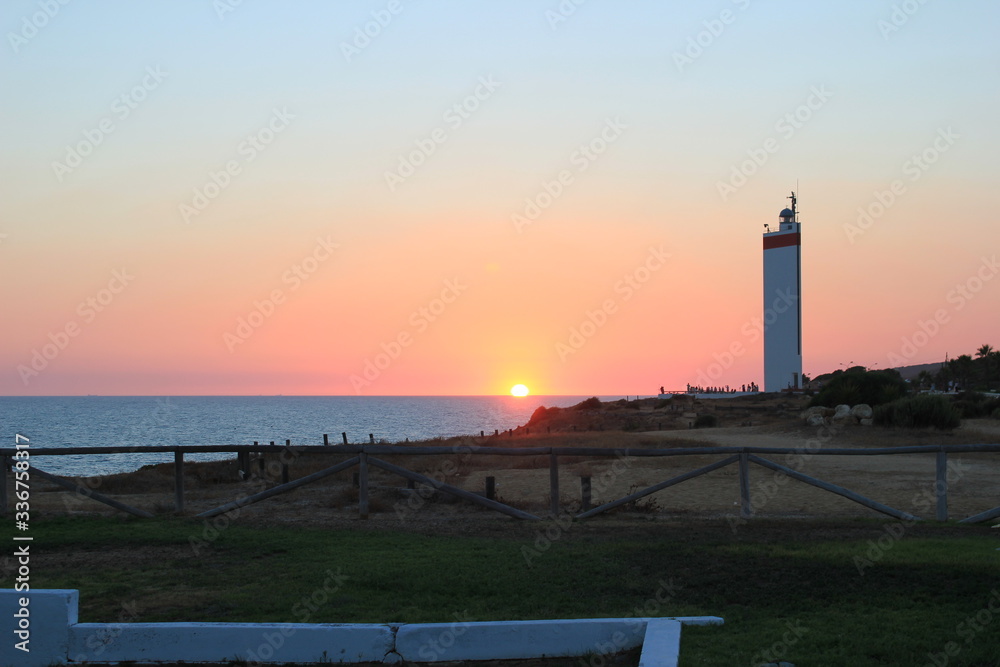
pixel 782 241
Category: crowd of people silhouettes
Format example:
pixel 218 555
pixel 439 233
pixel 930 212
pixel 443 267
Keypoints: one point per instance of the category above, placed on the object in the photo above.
pixel 698 389
pixel 726 389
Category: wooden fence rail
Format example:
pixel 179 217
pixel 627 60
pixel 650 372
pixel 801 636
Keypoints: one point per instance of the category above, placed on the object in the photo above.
pixel 366 456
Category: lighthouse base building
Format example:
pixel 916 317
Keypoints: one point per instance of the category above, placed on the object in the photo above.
pixel 783 303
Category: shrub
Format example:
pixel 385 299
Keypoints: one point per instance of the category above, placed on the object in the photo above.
pixel 923 411
pixel 662 403
pixel 706 421
pixel 972 404
pixel 592 403
pixel 860 386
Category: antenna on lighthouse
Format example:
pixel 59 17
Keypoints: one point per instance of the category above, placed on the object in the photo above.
pixel 795 215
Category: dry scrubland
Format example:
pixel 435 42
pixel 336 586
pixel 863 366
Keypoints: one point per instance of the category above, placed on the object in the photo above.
pixel 901 481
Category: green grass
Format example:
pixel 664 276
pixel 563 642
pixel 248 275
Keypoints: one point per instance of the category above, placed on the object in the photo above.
pixel 769 578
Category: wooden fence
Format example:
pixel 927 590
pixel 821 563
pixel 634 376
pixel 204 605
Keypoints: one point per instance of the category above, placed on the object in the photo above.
pixel 367 456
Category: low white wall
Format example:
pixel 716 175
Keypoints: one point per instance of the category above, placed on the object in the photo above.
pixel 662 644
pixel 56 638
pixel 51 613
pixel 218 642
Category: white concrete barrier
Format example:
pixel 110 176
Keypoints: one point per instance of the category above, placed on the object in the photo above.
pixel 661 646
pixel 514 640
pixel 42 627
pixel 223 642
pixel 56 638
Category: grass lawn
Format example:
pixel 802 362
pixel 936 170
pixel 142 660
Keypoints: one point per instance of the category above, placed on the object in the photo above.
pixel 811 593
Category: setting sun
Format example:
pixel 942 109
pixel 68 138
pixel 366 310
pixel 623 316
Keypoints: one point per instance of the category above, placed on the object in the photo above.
pixel 518 390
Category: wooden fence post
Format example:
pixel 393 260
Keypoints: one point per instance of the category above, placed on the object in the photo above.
pixel 371 438
pixel 585 493
pixel 326 440
pixel 554 484
pixel 363 485
pixel 941 485
pixel 491 488
pixel 179 481
pixel 746 509
pixel 344 434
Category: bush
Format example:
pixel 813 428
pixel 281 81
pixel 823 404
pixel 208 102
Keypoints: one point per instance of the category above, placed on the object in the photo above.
pixel 662 403
pixel 923 411
pixel 972 404
pixel 592 403
pixel 706 421
pixel 860 386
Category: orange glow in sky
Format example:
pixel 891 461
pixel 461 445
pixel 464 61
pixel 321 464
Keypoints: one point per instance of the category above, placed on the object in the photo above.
pixel 481 196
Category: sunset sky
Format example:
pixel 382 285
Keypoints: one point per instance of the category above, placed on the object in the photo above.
pixel 222 197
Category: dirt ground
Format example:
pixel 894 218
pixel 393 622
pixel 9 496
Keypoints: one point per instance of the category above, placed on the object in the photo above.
pixel 904 482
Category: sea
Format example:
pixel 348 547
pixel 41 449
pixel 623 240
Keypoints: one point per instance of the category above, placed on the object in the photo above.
pixel 91 421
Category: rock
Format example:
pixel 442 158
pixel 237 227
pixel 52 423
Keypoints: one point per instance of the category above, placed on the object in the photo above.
pixel 815 419
pixel 809 413
pixel 862 411
pixel 842 414
pixel 866 422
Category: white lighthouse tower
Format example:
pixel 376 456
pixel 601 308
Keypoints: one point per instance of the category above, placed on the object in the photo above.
pixel 782 303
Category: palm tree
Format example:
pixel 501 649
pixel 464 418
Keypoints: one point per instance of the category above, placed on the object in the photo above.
pixel 962 368
pixel 986 358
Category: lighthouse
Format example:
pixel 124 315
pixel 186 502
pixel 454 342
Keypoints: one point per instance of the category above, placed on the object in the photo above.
pixel 782 302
